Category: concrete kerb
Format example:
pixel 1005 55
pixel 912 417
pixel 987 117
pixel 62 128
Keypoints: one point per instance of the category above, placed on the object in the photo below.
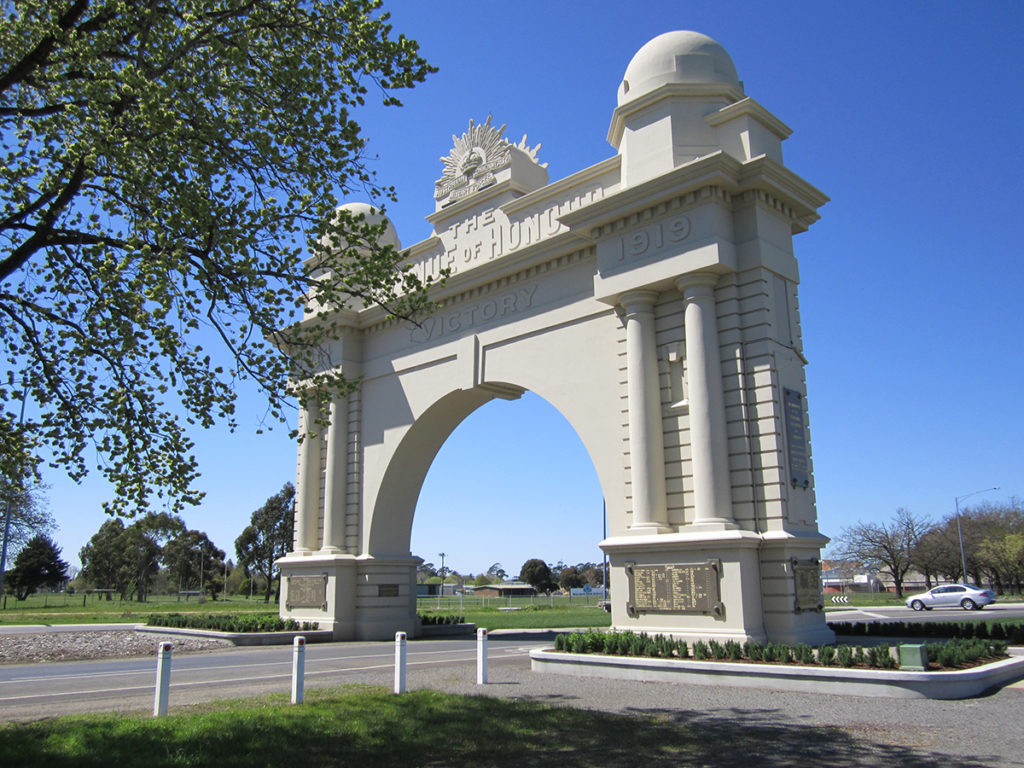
pixel 245 638
pixel 959 684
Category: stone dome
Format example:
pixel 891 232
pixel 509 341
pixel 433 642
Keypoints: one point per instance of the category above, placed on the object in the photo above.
pixel 373 215
pixel 677 57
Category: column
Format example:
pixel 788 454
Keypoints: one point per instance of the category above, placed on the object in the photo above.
pixel 307 495
pixel 709 444
pixel 646 443
pixel 335 484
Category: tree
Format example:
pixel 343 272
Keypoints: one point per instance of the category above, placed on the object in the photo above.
pixel 170 171
pixel 1004 555
pixel 268 537
pixel 102 557
pixel 425 572
pixel 37 565
pixel 124 558
pixel 29 514
pixel 194 563
pixel 886 546
pixel 497 573
pixel 537 574
pixel 571 577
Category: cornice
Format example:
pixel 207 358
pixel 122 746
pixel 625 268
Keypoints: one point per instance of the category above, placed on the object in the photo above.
pixel 703 91
pixel 473 202
pixel 481 281
pixel 717 169
pixel 749 107
pixel 718 177
pixel 562 186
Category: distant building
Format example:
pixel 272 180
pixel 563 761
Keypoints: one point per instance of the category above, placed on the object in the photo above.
pixel 504 589
pixel 848 576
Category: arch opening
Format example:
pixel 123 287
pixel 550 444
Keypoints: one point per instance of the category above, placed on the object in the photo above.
pixel 512 482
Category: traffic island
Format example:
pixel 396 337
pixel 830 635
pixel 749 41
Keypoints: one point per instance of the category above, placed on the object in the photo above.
pixel 954 684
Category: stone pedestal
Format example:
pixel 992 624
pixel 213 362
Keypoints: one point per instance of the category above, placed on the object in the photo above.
pixel 364 598
pixel 748 587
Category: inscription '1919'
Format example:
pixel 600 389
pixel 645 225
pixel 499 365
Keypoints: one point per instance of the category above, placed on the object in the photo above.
pixel 653 237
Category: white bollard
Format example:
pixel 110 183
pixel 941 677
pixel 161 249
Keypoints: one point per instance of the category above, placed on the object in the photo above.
pixel 163 679
pixel 298 668
pixel 481 656
pixel 399 662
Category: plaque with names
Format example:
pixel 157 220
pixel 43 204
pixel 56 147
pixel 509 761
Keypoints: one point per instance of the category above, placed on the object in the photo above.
pixel 387 590
pixel 796 439
pixel 807 577
pixel 674 588
pixel 307 592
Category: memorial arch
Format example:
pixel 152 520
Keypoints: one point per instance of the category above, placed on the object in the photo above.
pixel 651 299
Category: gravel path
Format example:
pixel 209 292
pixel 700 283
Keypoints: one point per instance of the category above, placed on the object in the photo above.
pixel 80 646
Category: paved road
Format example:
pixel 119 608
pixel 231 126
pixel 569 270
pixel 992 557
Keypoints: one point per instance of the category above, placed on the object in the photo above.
pixel 30 691
pixel 901 613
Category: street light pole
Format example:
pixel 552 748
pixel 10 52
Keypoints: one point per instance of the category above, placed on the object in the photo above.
pixel 959 530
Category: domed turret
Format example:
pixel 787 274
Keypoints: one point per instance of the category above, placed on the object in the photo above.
pixel 677 57
pixel 373 215
pixel 670 101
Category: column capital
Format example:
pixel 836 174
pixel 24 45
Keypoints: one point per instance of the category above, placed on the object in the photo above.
pixel 638 301
pixel 697 283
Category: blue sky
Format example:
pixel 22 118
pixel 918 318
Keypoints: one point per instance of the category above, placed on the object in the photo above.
pixel 906 114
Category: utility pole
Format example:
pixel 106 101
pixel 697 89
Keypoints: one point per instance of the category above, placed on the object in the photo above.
pixel 440 590
pixel 10 497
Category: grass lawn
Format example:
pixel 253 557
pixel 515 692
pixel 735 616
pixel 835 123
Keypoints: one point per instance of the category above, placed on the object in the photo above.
pixel 93 609
pixel 355 726
pixel 539 617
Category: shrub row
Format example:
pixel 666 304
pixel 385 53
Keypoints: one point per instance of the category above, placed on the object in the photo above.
pixel 985 630
pixel 950 654
pixel 961 652
pixel 226 623
pixel 427 619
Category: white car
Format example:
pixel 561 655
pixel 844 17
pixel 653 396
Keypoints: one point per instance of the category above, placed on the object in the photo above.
pixel 952 596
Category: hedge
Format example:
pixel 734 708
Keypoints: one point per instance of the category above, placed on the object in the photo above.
pixel 1013 634
pixel 227 623
pixel 426 619
pixel 951 654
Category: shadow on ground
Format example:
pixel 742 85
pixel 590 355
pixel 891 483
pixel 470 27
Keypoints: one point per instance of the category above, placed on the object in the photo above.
pixel 425 728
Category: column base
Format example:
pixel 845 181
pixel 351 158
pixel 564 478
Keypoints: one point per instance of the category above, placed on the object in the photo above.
pixel 643 528
pixel 710 524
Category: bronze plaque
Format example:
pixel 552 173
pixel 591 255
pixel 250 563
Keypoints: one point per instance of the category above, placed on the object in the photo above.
pixel 807 577
pixel 307 592
pixel 387 590
pixel 796 439
pixel 674 588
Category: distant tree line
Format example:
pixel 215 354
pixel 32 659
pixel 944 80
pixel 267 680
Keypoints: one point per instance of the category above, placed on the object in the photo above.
pixel 540 575
pixel 993 546
pixel 155 552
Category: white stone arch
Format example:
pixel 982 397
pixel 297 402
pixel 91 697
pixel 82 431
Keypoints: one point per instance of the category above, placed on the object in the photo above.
pixel 651 299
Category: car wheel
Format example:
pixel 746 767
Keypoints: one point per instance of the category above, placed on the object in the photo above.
pixel 917 605
pixel 967 604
